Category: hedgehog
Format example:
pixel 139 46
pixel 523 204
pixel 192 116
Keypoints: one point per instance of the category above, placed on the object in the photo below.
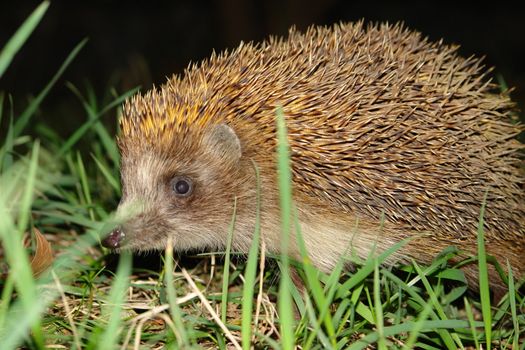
pixel 392 138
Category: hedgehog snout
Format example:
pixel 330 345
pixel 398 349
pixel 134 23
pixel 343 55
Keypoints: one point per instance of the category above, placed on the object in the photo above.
pixel 114 239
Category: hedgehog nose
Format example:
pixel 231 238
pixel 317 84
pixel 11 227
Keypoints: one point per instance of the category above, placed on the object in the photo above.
pixel 114 239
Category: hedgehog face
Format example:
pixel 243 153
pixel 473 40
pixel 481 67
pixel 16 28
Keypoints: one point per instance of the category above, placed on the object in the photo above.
pixel 180 193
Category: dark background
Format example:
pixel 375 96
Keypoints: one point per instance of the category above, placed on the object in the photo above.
pixel 141 43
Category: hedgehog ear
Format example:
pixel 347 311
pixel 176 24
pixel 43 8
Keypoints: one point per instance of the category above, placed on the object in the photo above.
pixel 223 142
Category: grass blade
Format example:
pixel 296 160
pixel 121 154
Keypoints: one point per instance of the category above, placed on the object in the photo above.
pixel 512 304
pixel 20 320
pixel 368 269
pixel 182 337
pixel 484 290
pixel 428 326
pixel 77 135
pixel 285 195
pixel 316 290
pixel 108 175
pixel 90 106
pixel 418 325
pixel 111 334
pixel 2 96
pixel 470 318
pixel 6 158
pixel 250 272
pixel 448 338
pixel 378 308
pixel 20 37
pixel 226 269
pixel 30 110
pixel 15 254
pixel 84 186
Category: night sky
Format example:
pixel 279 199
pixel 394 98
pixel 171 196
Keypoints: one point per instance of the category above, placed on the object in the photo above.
pixel 131 43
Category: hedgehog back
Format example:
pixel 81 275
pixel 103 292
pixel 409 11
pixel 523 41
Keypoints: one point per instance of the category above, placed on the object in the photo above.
pixel 381 121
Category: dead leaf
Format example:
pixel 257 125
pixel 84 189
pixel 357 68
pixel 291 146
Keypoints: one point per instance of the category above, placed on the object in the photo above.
pixel 43 257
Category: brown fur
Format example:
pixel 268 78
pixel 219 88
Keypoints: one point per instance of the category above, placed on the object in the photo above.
pixel 381 123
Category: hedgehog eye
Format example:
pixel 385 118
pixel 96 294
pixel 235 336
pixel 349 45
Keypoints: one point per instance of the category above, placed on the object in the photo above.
pixel 182 186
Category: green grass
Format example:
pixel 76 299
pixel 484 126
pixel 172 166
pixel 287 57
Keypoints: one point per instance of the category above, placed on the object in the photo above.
pixel 19 38
pixel 285 190
pixel 249 275
pixel 90 300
